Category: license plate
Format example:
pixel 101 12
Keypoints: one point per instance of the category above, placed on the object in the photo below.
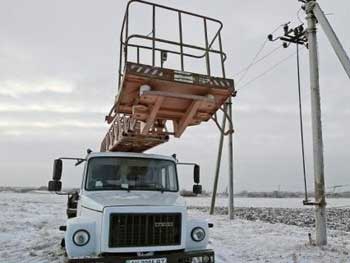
pixel 149 260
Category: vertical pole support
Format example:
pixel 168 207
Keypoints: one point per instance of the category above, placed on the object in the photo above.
pixel 230 161
pixel 154 36
pixel 218 164
pixel 321 227
pixel 207 46
pixel 181 43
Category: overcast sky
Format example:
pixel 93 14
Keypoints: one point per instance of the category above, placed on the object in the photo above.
pixel 58 79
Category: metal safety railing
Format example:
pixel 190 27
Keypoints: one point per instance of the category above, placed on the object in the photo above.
pixel 207 49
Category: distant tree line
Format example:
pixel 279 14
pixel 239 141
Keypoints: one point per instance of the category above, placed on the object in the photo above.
pixel 189 193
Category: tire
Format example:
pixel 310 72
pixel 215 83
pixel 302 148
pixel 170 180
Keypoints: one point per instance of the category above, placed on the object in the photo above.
pixel 63 243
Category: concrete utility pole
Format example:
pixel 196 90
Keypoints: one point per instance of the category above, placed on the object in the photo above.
pixel 321 225
pixel 297 36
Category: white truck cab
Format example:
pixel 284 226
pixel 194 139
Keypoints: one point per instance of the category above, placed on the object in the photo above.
pixel 129 210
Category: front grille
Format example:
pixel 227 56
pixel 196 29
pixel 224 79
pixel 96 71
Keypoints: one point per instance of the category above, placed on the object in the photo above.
pixel 143 230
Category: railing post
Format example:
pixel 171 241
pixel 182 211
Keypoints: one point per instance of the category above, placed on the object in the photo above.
pixel 126 37
pixel 222 58
pixel 154 36
pixel 123 48
pixel 207 46
pixel 181 42
pixel 120 64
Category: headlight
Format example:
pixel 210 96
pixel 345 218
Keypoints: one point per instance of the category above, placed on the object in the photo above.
pixel 198 234
pixel 81 238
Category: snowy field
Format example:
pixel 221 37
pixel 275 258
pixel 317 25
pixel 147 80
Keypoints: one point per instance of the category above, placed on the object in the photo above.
pixel 29 233
pixel 265 202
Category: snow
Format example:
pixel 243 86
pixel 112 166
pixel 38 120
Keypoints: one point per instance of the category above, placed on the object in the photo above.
pixel 264 202
pixel 247 241
pixel 29 227
pixel 29 233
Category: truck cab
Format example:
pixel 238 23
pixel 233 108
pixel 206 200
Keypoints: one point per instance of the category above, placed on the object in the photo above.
pixel 129 210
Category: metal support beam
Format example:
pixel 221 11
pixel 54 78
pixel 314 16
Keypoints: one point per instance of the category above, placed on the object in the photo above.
pixel 181 43
pixel 187 118
pixel 332 37
pixel 321 227
pixel 218 164
pixel 207 48
pixel 152 115
pixel 154 36
pixel 230 166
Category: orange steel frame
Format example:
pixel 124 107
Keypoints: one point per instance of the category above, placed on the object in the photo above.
pixel 150 95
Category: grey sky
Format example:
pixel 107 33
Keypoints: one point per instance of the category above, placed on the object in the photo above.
pixel 58 78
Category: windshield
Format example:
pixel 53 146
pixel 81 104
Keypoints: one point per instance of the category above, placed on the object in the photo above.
pixel 118 173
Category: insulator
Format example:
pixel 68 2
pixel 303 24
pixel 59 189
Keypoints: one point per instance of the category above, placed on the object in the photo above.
pixel 301 28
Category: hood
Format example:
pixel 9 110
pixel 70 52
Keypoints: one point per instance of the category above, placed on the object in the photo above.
pixel 99 200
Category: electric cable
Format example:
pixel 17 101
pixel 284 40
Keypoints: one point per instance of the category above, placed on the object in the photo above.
pixel 301 122
pixel 298 15
pixel 266 72
pixel 252 63
pixel 256 56
pixel 259 60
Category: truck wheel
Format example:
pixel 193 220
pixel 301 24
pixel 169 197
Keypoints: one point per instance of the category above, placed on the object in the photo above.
pixel 63 243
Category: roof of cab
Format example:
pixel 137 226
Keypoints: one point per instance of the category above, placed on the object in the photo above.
pixel 130 154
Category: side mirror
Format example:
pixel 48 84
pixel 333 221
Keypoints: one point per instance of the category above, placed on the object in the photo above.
pixel 55 186
pixel 57 170
pixel 196 174
pixel 197 189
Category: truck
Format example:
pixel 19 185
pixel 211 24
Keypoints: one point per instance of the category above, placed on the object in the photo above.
pixel 129 210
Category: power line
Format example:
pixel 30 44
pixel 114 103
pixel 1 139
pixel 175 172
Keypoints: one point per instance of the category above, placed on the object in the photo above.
pixel 253 61
pixel 298 37
pixel 298 16
pixel 256 56
pixel 259 60
pixel 301 122
pixel 267 71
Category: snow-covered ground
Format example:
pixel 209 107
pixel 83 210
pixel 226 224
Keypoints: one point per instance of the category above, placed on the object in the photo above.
pixel 29 227
pixel 247 241
pixel 265 202
pixel 29 233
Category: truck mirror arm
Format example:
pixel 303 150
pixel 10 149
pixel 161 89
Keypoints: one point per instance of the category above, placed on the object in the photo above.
pixel 65 193
pixel 79 160
pixel 187 163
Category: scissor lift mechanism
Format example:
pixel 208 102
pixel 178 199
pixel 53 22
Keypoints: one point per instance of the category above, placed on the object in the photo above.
pixel 151 96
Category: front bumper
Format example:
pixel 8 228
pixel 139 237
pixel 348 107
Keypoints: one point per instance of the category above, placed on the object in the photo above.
pixel 172 257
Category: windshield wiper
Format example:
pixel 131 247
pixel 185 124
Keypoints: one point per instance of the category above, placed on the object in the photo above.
pixel 161 188
pixel 142 187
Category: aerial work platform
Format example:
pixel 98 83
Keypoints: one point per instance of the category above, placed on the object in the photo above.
pixel 152 98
